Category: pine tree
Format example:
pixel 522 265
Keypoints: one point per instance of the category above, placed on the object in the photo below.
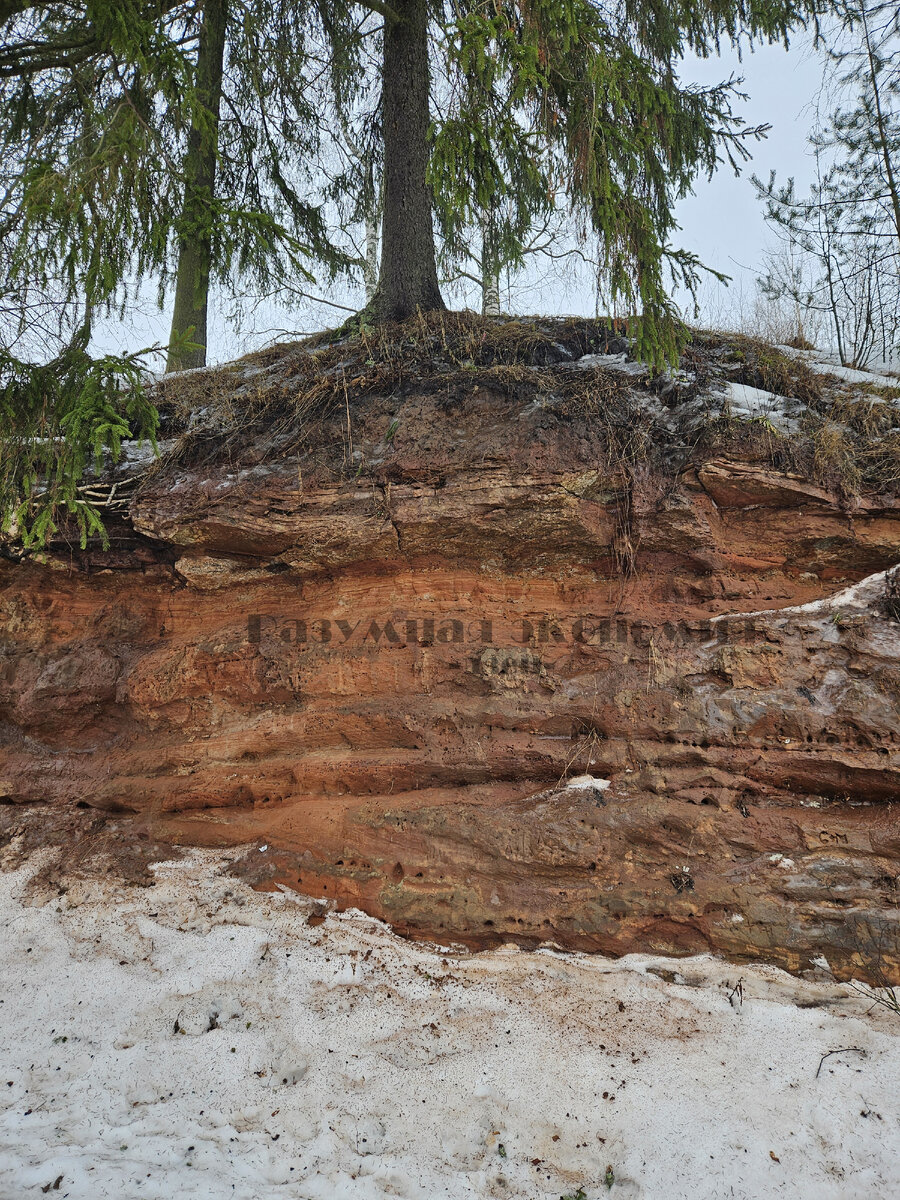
pixel 866 134
pixel 848 226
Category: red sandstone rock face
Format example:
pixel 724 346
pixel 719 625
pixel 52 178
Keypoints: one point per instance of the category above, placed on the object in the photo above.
pixel 387 680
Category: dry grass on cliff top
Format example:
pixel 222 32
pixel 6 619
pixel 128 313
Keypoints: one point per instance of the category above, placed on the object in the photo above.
pixel 432 350
pixel 845 436
pixel 758 364
pixel 288 387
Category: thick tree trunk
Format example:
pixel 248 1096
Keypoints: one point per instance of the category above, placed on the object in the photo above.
pixel 195 230
pixel 408 278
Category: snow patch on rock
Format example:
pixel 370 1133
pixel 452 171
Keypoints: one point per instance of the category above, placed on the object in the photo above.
pixel 582 782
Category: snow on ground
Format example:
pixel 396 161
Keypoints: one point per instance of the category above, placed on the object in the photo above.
pixel 750 403
pixel 197 1040
pixel 611 362
pixel 828 364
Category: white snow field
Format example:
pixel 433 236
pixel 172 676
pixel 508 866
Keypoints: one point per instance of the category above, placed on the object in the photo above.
pixel 195 1039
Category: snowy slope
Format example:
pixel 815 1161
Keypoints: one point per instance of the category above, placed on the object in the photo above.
pixel 198 1040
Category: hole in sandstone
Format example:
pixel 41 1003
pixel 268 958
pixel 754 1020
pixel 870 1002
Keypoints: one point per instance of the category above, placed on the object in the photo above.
pixel 419 875
pixel 592 866
pixel 339 863
pixel 397 873
pixel 82 804
pixel 489 922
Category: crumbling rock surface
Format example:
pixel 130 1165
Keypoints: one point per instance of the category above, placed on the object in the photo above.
pixel 383 652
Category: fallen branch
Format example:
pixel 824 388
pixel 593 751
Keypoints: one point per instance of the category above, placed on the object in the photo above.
pixel 844 1050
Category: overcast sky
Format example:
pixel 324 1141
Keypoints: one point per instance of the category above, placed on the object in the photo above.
pixel 723 222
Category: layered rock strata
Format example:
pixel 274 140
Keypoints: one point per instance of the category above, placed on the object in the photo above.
pixel 444 661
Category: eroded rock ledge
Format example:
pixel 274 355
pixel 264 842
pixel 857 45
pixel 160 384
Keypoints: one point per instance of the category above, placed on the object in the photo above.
pixel 379 644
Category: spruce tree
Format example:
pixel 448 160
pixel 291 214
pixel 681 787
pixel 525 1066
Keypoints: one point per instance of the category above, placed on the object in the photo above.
pixel 110 152
pixel 196 226
pixel 89 95
pixel 249 173
pixel 408 279
pixel 172 140
pixel 142 134
pixel 543 79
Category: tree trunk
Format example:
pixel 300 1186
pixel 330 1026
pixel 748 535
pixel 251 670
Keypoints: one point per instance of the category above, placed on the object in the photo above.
pixel 408 279
pixel 883 141
pixel 490 266
pixel 374 209
pixel 370 273
pixel 195 228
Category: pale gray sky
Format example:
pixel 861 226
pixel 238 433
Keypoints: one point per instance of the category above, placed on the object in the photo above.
pixel 723 222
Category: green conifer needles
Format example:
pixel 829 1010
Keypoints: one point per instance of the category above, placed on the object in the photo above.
pixel 58 421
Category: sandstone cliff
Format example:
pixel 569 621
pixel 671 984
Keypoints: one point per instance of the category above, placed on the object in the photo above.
pixel 488 631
